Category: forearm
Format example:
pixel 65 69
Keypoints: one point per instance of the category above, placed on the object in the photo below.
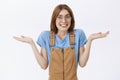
pixel 40 59
pixel 85 55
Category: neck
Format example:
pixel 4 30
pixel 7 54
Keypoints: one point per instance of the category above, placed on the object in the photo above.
pixel 62 34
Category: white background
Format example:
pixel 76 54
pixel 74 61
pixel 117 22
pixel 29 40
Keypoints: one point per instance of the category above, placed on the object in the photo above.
pixel 30 17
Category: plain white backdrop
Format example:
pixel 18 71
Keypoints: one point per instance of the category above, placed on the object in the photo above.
pixel 30 17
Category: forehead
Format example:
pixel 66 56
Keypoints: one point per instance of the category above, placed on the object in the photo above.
pixel 64 12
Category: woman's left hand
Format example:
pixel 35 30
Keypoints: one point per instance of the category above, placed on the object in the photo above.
pixel 98 35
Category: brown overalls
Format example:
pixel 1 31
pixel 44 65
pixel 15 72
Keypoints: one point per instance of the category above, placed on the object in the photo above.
pixel 62 61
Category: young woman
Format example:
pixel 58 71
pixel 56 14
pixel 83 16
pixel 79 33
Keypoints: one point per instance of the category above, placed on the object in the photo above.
pixel 63 47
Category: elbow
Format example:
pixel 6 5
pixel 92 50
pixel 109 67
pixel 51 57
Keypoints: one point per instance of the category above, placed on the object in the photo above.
pixel 82 65
pixel 83 62
pixel 44 67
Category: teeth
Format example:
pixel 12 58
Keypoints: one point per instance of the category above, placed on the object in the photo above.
pixel 63 25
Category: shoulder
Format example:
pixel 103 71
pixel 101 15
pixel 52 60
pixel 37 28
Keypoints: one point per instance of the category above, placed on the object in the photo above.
pixel 43 38
pixel 45 33
pixel 79 31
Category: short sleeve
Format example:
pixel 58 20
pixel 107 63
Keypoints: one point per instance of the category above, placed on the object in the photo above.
pixel 43 39
pixel 82 38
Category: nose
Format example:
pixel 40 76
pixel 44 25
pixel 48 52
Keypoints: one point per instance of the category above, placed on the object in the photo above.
pixel 64 19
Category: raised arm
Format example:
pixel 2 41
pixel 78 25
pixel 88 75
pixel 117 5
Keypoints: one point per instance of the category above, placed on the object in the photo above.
pixel 84 51
pixel 40 56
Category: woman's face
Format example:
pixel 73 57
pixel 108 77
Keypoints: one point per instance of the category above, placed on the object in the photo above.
pixel 63 20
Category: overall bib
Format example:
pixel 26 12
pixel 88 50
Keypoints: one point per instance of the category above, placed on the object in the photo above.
pixel 62 61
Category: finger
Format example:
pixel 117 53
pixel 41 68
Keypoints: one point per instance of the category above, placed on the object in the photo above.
pixel 22 36
pixel 17 38
pixel 107 32
pixel 100 33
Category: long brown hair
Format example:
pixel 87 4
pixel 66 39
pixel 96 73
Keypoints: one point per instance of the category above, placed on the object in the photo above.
pixel 56 12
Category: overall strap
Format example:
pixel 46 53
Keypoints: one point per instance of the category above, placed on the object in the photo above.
pixel 72 38
pixel 52 38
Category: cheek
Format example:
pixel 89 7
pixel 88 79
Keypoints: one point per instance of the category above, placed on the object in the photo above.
pixel 69 22
pixel 56 23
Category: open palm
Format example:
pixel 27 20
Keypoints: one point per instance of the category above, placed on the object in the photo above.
pixel 98 35
pixel 24 39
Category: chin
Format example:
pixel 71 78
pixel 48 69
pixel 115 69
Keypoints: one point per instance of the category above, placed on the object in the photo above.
pixel 64 29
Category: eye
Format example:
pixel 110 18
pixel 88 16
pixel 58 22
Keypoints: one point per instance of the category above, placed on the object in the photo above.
pixel 67 16
pixel 59 17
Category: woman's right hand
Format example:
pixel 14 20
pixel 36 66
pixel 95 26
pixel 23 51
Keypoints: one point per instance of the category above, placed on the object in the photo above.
pixel 24 39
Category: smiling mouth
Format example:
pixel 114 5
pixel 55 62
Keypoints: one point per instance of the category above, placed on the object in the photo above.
pixel 63 25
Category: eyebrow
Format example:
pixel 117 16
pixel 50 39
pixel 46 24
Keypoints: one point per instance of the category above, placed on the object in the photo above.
pixel 65 15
